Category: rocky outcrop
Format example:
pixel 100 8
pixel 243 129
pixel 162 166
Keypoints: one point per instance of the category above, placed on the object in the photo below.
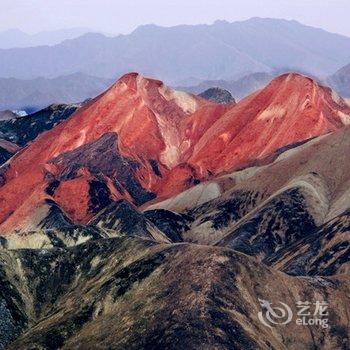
pixel 22 130
pixel 7 150
pixel 7 115
pixel 128 293
pixel 217 95
pixel 16 131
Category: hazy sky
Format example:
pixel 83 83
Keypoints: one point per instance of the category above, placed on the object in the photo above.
pixel 122 16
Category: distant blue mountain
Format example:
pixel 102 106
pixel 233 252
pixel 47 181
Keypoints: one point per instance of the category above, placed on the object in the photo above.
pixel 32 95
pixel 222 50
pixel 15 38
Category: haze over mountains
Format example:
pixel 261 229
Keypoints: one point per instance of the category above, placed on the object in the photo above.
pixel 340 81
pixel 238 88
pixel 240 57
pixel 35 94
pixel 16 38
pixel 219 51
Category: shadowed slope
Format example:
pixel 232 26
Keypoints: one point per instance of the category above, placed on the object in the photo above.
pixel 126 293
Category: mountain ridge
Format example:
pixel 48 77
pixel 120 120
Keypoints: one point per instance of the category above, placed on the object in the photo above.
pixel 182 140
pixel 35 94
pixel 340 81
pixel 230 46
pixel 15 38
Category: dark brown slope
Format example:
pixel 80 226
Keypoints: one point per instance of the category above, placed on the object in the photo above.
pixel 300 192
pixel 16 132
pixel 7 150
pixel 22 130
pixel 326 251
pixel 126 293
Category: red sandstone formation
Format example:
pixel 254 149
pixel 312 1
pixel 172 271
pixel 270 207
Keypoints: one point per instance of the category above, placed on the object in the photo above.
pixel 141 140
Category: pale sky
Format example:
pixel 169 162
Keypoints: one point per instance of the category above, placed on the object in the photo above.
pixel 122 16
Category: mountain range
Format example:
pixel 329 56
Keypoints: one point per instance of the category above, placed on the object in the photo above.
pixel 33 95
pixel 15 38
pixel 340 81
pixel 152 218
pixel 16 131
pixel 239 88
pixel 220 51
pixel 240 57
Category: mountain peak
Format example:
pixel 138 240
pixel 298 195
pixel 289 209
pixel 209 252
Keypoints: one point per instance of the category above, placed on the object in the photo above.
pixel 310 93
pixel 155 94
pixel 293 76
pixel 291 108
pixel 134 134
pixel 142 140
pixel 128 79
pixel 134 80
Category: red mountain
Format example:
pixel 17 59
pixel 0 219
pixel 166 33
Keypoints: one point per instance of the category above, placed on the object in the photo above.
pixel 291 108
pixel 141 140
